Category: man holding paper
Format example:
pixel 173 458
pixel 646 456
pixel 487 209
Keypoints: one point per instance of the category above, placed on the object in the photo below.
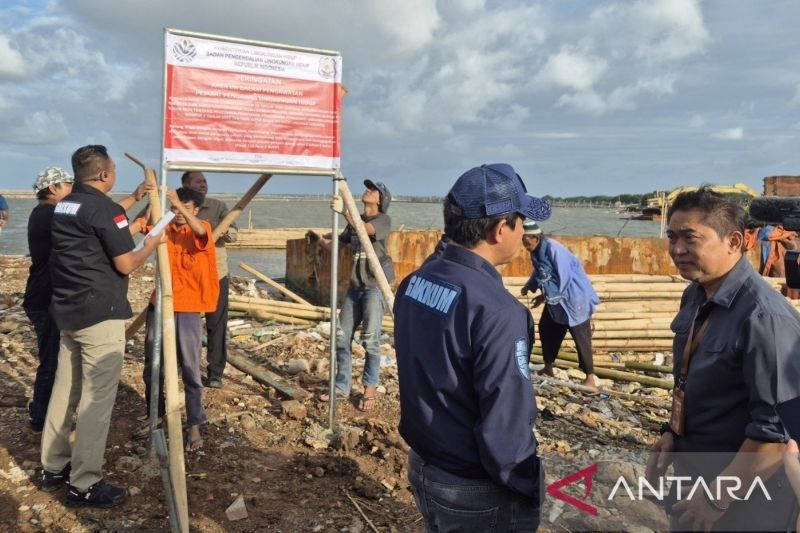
pixel 92 256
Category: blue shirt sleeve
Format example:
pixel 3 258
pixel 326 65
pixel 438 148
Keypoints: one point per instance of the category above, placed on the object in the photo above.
pixel 533 283
pixel 504 434
pixel 770 367
pixel 3 203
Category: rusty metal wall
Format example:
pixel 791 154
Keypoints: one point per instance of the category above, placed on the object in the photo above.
pixel 308 265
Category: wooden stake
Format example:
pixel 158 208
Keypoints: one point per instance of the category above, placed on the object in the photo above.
pixel 177 467
pixel 266 377
pixel 274 284
pixel 366 245
pixel 136 325
pixel 234 213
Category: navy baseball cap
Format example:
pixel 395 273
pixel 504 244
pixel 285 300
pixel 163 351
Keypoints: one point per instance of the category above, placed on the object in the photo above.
pixel 496 190
pixel 383 190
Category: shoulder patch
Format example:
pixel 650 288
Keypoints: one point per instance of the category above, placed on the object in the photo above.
pixel 67 208
pixel 522 356
pixel 121 221
pixel 436 296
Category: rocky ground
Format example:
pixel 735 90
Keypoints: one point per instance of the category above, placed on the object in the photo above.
pixel 293 474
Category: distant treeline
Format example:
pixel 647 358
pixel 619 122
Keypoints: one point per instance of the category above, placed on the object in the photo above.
pixel 625 199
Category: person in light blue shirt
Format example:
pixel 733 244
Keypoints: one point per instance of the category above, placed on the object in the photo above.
pixel 569 299
pixel 4 211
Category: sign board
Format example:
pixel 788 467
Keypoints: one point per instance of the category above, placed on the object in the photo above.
pixel 248 105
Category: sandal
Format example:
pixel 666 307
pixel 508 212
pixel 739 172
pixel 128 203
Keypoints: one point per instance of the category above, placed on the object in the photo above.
pixel 324 397
pixel 366 403
pixel 193 444
pixel 143 431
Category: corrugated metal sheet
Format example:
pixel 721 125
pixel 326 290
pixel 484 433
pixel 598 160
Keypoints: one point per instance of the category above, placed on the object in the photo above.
pixel 308 265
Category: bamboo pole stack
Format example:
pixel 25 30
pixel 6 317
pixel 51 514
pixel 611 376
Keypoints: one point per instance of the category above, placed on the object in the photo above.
pixel 635 313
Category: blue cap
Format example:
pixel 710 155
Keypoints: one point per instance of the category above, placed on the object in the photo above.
pixel 496 190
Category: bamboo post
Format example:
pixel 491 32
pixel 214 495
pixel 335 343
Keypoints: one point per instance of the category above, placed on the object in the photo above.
pixel 177 467
pixel 234 213
pixel 616 375
pixel 366 245
pixel 274 284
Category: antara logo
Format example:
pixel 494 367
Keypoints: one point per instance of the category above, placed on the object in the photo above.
pixel 731 484
pixel 554 489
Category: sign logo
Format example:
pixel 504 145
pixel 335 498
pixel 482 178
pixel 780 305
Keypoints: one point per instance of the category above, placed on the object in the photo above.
pixel 554 489
pixel 327 67
pixel 184 51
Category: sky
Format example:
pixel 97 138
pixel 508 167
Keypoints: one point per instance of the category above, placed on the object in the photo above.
pixel 581 97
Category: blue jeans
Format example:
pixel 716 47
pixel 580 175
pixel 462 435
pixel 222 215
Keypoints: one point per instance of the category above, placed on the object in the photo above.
pixel 362 306
pixel 450 503
pixel 48 340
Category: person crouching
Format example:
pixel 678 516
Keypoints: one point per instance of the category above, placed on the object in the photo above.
pixel 569 299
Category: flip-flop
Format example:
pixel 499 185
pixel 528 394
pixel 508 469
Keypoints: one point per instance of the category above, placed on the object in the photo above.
pixel 194 445
pixel 143 431
pixel 362 403
pixel 324 397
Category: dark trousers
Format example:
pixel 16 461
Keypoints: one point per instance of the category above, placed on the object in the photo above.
pixel 188 332
pixel 552 334
pixel 48 342
pixel 449 503
pixel 217 329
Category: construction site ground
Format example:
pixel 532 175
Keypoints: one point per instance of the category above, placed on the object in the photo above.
pixel 293 474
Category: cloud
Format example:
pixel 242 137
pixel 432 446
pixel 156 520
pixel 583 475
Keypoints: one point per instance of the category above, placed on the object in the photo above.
pixel 11 62
pixel 668 30
pixel 571 70
pixel 731 134
pixel 697 121
pixel 796 98
pixel 37 128
pixel 624 98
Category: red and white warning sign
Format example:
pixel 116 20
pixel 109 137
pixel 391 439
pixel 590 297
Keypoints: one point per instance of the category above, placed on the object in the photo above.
pixel 230 103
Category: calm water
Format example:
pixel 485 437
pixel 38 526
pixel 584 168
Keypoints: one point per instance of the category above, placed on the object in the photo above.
pixel 283 213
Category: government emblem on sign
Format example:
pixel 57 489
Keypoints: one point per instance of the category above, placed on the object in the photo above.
pixel 184 51
pixel 327 67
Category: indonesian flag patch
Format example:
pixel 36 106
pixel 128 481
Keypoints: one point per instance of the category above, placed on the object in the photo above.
pixel 121 221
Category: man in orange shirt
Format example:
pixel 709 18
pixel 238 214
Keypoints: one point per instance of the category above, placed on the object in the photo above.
pixel 195 288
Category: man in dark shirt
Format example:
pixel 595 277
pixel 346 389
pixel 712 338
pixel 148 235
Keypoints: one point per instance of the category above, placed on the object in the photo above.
pixel 463 342
pixel 742 359
pixel 214 211
pixel 92 255
pixel 363 304
pixel 52 184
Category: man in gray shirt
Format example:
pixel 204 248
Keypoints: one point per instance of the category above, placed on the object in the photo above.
pixel 742 358
pixel 363 305
pixel 214 211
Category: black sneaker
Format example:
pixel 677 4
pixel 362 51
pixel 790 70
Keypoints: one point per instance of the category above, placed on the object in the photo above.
pixel 101 494
pixel 213 383
pixel 52 482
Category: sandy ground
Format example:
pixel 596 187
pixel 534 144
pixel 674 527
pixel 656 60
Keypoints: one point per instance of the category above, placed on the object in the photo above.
pixel 294 475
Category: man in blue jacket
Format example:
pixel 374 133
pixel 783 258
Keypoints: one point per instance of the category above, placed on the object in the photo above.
pixel 463 343
pixel 569 299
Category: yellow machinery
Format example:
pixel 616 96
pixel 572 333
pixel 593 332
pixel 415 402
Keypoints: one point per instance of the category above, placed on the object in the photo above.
pixel 738 188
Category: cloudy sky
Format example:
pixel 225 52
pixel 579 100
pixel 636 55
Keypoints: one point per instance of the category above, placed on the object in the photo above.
pixel 582 97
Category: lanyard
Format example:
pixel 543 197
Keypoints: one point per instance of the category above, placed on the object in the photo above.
pixel 691 345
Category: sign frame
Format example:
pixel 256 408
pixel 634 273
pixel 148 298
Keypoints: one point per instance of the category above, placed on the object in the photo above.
pixel 232 167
